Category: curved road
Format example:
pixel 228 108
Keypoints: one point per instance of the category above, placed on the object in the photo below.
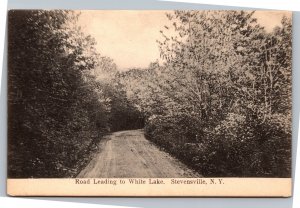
pixel 128 154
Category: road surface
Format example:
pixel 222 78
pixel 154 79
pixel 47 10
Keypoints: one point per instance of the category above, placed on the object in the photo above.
pixel 128 154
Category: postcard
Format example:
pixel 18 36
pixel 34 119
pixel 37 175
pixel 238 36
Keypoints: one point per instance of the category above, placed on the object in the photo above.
pixel 181 103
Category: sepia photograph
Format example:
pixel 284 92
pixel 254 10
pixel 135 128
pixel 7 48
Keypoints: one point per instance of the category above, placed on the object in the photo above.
pixel 149 94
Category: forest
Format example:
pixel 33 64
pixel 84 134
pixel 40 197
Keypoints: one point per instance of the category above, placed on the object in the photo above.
pixel 219 100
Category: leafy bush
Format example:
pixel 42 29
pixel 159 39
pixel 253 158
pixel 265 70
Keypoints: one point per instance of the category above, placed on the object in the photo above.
pixel 55 115
pixel 225 94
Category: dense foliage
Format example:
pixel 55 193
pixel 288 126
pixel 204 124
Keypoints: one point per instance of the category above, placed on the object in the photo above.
pixel 221 101
pixel 58 109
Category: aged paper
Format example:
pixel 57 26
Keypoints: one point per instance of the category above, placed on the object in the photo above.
pixel 179 187
pixel 184 103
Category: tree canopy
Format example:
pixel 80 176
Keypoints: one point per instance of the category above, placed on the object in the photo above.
pixel 220 100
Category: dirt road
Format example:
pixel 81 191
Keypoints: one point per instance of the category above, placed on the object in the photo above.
pixel 128 154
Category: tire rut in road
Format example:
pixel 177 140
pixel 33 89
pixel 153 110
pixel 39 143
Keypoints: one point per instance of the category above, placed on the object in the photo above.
pixel 129 154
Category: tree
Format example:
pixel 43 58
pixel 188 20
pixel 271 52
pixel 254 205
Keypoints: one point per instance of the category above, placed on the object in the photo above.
pixel 54 112
pixel 221 89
